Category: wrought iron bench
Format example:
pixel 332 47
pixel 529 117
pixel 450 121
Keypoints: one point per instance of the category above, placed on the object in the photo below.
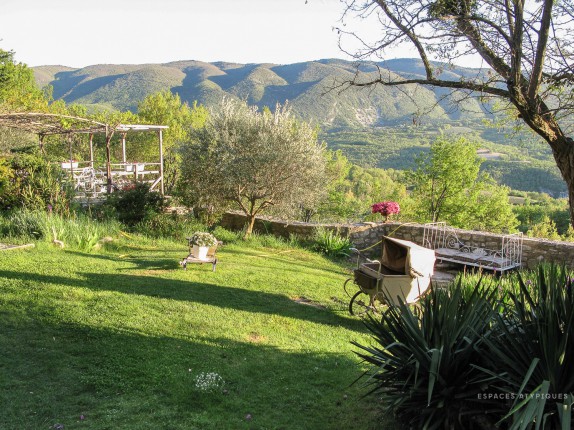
pixel 448 247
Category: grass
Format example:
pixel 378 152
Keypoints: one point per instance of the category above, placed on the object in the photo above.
pixel 120 339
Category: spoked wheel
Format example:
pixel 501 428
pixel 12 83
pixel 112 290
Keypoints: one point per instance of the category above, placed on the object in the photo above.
pixel 360 304
pixel 345 286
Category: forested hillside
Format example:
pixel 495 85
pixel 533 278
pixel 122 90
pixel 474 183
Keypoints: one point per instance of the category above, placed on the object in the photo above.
pixel 375 127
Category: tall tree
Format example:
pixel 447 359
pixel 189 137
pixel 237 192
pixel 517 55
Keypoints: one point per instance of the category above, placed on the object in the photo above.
pixel 252 160
pixel 18 89
pixel 448 186
pixel 166 108
pixel 529 46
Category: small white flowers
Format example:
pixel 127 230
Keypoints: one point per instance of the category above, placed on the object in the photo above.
pixel 208 382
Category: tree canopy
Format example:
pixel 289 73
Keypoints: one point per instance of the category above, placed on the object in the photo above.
pixel 528 45
pixel 252 160
pixel 18 89
pixel 448 186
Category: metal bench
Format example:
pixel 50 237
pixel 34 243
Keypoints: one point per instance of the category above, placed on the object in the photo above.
pixel 449 247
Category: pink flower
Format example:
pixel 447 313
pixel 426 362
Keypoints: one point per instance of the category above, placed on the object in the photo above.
pixel 386 208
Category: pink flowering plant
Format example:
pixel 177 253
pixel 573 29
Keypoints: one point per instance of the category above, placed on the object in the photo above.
pixel 386 209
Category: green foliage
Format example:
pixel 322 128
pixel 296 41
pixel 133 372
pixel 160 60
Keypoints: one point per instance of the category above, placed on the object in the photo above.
pixel 252 160
pixel 448 187
pixel 79 231
pixel 472 356
pixel 516 160
pixel 166 108
pixel 29 180
pixel 172 226
pixel 7 192
pixel 545 229
pixel 136 202
pixel 540 215
pixel 422 359
pixel 18 90
pixel 351 190
pixel 25 224
pixel 532 355
pixel 332 244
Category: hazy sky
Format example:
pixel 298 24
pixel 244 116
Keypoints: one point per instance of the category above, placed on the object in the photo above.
pixel 78 33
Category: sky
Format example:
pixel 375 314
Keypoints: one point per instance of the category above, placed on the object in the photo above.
pixel 78 33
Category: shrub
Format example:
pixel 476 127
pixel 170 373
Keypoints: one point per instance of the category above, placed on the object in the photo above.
pixel 532 355
pixel 422 360
pixel 473 357
pixel 386 208
pixel 136 202
pixel 172 226
pixel 25 224
pixel 332 244
pixel 79 231
pixel 30 181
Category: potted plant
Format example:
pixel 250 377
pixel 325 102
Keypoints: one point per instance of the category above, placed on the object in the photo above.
pixel 386 209
pixel 201 242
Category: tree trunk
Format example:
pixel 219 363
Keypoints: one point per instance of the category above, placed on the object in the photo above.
pixel 250 224
pixel 563 151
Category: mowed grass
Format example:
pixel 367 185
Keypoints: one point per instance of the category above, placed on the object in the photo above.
pixel 116 340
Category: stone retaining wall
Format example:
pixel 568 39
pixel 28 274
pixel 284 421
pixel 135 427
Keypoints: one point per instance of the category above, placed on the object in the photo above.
pixel 365 235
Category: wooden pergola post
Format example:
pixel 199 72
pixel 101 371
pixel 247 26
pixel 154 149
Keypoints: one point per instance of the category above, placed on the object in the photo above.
pixel 108 159
pixel 71 157
pixel 92 150
pixel 162 189
pixel 124 148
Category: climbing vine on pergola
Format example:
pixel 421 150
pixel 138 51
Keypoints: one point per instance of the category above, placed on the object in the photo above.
pixel 46 124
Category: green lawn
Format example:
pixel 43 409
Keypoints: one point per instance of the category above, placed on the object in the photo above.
pixel 116 340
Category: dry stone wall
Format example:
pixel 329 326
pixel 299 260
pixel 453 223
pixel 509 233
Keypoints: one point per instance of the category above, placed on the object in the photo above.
pixel 366 235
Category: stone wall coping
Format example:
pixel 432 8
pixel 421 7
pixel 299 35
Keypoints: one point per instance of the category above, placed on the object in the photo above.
pixel 394 224
pixel 365 234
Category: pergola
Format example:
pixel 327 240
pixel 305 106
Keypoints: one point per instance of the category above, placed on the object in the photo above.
pixel 46 124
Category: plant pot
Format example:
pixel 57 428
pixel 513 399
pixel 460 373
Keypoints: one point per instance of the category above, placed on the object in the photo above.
pixel 200 252
pixel 68 165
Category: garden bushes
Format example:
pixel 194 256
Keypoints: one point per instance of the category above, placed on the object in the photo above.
pixel 476 357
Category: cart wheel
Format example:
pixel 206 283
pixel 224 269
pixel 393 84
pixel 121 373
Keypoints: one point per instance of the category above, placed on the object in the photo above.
pixel 345 286
pixel 357 305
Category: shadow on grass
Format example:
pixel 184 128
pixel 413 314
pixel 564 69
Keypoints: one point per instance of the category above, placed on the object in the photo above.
pixel 56 372
pixel 197 292
pixel 145 263
pixel 275 255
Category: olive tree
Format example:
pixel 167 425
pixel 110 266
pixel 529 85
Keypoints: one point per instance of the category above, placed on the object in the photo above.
pixel 251 160
pixel 527 44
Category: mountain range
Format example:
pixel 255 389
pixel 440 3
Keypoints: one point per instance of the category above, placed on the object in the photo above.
pixel 309 87
pixel 379 126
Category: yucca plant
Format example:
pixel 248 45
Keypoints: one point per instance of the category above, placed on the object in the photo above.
pixel 532 355
pixel 421 362
pixel 332 244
